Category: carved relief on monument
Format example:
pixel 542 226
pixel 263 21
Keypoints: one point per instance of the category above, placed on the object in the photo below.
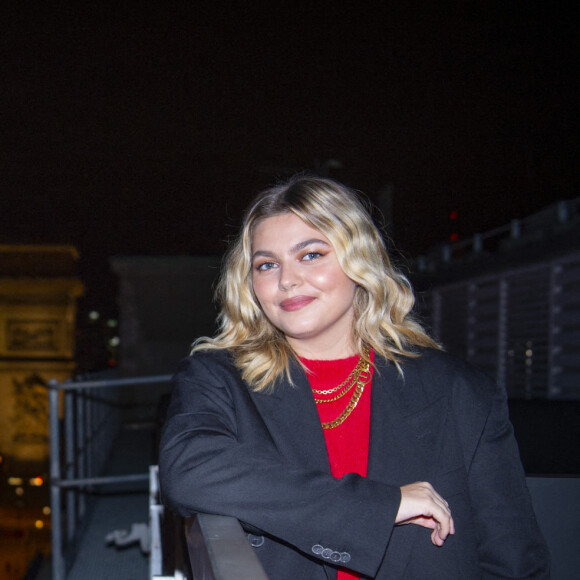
pixel 37 331
pixel 32 335
pixel 24 432
pixel 30 411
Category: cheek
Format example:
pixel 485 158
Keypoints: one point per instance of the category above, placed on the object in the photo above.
pixel 336 281
pixel 326 279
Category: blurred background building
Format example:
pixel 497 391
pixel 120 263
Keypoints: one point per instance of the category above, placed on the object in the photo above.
pixel 38 305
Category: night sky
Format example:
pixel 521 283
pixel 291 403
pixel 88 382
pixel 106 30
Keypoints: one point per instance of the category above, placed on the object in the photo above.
pixel 143 128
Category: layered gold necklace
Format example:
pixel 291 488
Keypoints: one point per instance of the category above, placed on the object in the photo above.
pixel 358 378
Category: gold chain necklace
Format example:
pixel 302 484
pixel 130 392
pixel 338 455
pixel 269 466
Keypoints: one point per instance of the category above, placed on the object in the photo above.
pixel 361 377
pixel 342 393
pixel 349 381
pixel 348 409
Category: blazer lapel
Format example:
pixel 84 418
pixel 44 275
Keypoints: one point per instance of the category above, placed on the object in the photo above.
pixel 406 426
pixel 290 415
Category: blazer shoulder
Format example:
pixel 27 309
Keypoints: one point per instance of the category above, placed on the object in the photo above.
pixel 442 361
pixel 214 362
pixel 446 372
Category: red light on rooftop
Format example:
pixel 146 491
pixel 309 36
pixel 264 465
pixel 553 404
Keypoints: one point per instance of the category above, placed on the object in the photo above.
pixel 453 215
pixel 454 237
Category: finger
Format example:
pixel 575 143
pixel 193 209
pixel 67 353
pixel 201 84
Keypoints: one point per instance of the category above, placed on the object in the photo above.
pixel 435 539
pixel 444 517
pixel 423 522
pixel 442 529
pixel 444 523
pixel 446 528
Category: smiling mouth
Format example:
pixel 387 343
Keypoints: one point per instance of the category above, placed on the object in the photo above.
pixel 296 303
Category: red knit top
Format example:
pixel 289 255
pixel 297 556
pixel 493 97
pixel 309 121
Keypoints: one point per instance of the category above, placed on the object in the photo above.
pixel 347 444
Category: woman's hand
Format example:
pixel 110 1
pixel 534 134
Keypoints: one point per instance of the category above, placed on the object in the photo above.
pixel 423 506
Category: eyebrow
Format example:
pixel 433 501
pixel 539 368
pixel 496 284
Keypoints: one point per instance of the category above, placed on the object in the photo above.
pixel 293 250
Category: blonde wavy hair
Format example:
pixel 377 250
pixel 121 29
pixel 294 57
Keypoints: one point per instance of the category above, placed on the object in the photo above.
pixel 383 297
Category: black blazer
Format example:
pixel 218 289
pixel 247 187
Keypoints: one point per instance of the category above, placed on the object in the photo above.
pixel 262 458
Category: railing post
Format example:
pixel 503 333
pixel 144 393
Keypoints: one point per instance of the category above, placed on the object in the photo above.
pixel 88 433
pixel 69 441
pixel 80 449
pixel 55 498
pixel 563 212
pixel 515 229
pixel 155 514
pixel 446 253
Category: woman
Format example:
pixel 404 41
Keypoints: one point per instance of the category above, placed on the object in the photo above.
pixel 324 418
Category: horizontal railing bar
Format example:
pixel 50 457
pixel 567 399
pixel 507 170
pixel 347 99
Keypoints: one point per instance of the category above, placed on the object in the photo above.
pixel 69 483
pixel 220 550
pixel 106 383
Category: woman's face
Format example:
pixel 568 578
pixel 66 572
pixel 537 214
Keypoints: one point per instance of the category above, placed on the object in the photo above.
pixel 301 287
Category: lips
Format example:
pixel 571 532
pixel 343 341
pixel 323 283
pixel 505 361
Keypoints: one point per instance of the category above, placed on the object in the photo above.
pixel 296 303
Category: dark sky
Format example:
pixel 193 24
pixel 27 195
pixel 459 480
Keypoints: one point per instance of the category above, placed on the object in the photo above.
pixel 142 128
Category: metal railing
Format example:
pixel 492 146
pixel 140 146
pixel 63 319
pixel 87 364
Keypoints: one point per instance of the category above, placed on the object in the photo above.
pixel 166 558
pixel 219 549
pixel 85 418
pixel 565 213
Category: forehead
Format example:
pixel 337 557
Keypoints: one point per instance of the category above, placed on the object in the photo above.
pixel 284 229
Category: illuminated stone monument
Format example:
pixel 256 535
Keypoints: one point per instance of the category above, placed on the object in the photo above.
pixel 38 295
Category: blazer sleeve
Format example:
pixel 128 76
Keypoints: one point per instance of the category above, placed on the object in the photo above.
pixel 207 466
pixel 510 544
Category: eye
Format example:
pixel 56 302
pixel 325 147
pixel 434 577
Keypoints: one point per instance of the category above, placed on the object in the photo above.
pixel 264 266
pixel 311 256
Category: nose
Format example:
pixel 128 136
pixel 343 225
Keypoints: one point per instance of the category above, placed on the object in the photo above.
pixel 289 277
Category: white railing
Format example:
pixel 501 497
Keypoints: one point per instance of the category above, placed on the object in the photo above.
pixel 80 443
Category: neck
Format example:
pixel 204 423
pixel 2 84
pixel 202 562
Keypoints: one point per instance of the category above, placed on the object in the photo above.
pixel 312 350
